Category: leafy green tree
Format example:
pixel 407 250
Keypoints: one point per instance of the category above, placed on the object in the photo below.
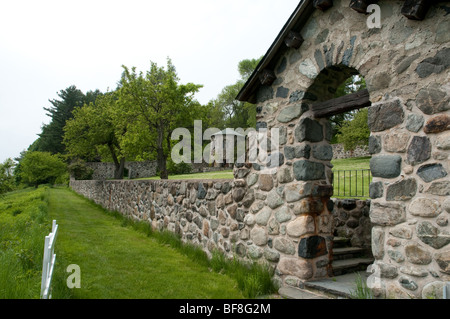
pixel 355 132
pixel 238 114
pixel 351 85
pixel 93 133
pixel 151 106
pixel 42 168
pixel 7 180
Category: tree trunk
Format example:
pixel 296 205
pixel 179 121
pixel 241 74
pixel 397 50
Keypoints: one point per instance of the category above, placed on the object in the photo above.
pixel 161 159
pixel 160 156
pixel 120 168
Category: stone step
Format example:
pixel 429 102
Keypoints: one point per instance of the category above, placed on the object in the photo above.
pixel 339 242
pixel 348 252
pixel 298 293
pixel 345 266
pixel 336 287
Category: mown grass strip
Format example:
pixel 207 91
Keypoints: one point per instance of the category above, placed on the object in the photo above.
pixel 121 258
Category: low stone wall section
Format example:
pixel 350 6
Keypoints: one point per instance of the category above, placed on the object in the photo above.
pixel 340 153
pixel 351 219
pixel 228 216
pixel 104 171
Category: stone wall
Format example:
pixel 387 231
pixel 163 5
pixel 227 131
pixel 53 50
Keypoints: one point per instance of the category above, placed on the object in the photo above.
pixel 340 153
pixel 104 171
pixel 405 65
pixel 351 220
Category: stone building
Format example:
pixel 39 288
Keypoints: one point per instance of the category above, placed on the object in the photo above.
pixel 405 63
pixel 284 215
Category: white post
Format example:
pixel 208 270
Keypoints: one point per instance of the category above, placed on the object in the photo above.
pixel 48 262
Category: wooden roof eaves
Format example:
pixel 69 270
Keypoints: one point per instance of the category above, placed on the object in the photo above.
pixel 295 23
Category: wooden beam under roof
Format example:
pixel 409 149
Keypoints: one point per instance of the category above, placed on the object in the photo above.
pixel 342 104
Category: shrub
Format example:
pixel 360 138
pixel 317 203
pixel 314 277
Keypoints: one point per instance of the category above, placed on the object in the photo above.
pixel 80 171
pixel 41 168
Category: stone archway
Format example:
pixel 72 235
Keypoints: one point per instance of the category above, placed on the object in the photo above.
pixel 405 64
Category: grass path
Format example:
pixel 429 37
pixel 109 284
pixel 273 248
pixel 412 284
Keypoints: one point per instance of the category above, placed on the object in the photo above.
pixel 120 262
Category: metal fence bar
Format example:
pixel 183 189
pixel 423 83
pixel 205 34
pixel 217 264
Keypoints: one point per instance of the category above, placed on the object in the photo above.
pixel 351 183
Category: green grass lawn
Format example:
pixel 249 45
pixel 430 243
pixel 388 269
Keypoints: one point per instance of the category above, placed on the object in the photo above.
pixel 351 181
pixel 120 262
pixel 351 163
pixel 227 174
pixel 346 185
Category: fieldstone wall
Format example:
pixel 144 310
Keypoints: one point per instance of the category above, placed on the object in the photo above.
pixel 351 220
pixel 104 171
pixel 340 153
pixel 406 67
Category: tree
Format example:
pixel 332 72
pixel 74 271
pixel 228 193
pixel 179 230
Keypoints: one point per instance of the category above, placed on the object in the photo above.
pixel 51 137
pixel 7 180
pixel 238 114
pixel 351 85
pixel 151 106
pixel 41 168
pixel 93 133
pixel 355 132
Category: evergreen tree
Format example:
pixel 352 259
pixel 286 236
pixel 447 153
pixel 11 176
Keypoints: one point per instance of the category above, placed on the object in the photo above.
pixel 51 137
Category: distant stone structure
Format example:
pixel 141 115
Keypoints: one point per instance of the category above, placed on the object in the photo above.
pixel 104 171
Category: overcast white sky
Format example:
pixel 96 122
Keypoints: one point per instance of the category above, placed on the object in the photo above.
pixel 46 46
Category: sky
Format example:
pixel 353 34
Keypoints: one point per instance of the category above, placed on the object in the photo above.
pixel 47 46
